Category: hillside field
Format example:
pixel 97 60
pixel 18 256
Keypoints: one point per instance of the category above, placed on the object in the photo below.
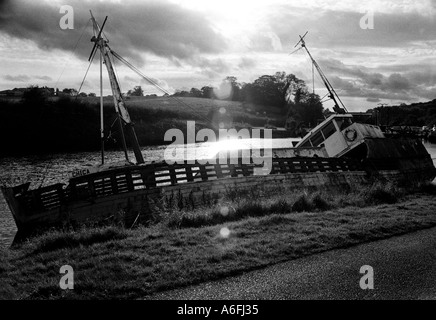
pixel 70 125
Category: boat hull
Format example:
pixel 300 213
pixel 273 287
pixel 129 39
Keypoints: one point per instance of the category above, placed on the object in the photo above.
pixel 404 159
pixel 132 195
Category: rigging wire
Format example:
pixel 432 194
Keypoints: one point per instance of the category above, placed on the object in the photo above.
pixel 74 50
pixel 86 73
pixel 55 86
pixel 295 51
pixel 152 82
pixel 318 76
pixel 325 96
pixel 334 96
pixel 111 131
pixel 333 91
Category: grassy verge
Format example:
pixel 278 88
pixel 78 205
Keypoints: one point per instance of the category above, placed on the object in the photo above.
pixel 126 264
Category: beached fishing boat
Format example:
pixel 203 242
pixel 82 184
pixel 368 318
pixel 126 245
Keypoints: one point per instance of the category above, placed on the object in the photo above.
pixel 337 152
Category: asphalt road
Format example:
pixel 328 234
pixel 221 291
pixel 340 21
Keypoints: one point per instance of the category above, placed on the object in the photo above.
pixel 404 268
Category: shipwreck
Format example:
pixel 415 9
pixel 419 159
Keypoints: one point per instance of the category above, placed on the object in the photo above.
pixel 336 152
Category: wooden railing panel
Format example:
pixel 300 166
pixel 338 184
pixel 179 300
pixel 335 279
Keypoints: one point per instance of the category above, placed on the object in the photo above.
pixel 161 174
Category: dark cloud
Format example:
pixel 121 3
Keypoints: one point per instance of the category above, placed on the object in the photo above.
pixel 427 77
pixel 368 78
pixel 45 78
pixel 342 28
pixel 212 67
pixel 17 78
pixel 420 74
pixel 359 81
pixel 373 100
pixel 159 27
pixel 396 83
pixel 348 87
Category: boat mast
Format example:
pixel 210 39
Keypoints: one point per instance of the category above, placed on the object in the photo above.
pixel 332 93
pixel 120 108
pixel 101 109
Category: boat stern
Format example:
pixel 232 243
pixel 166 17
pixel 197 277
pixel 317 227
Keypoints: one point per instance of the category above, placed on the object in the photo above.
pixel 10 194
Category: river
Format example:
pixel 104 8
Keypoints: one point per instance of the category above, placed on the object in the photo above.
pixel 49 169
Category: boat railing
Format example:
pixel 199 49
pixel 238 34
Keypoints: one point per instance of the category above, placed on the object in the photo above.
pixel 43 198
pixel 135 178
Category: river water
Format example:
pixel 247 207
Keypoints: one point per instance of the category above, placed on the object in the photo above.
pixel 49 169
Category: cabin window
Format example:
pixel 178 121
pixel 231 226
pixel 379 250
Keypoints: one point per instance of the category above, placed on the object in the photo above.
pixel 307 144
pixel 317 139
pixel 328 130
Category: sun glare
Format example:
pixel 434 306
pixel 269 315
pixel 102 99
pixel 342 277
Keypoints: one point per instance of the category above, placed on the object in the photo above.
pixel 227 145
pixel 231 17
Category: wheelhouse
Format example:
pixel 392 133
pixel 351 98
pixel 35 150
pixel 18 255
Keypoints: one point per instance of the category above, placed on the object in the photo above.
pixel 338 134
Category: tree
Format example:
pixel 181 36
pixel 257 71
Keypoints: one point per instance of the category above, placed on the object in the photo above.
pixel 296 88
pixel 71 92
pixel 274 90
pixel 308 110
pixel 207 92
pixel 266 90
pixel 91 94
pixel 182 93
pixel 327 113
pixel 230 89
pixel 246 92
pixel 136 92
pixel 196 93
pixel 35 96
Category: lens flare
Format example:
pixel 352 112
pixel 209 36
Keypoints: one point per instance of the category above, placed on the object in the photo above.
pixel 224 211
pixel 225 232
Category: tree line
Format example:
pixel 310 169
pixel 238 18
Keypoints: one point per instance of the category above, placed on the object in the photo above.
pixel 416 114
pixel 284 91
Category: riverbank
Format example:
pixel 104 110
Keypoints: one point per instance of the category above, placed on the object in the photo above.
pixel 73 125
pixel 240 232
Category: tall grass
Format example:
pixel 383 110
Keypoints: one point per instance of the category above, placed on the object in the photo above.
pixel 115 263
pixel 83 237
pixel 237 204
pixel 381 193
pixel 267 225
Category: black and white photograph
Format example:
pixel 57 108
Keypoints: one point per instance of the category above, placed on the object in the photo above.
pixel 217 158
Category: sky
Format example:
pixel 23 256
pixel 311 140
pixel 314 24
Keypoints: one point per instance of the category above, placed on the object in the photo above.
pixel 373 52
